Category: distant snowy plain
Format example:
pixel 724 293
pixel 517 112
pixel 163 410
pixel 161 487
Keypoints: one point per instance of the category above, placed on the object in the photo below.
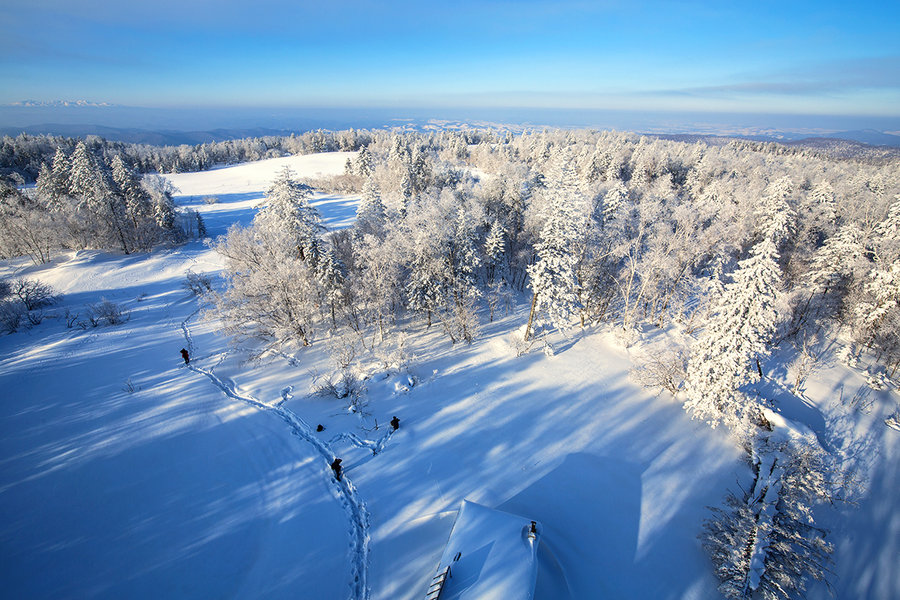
pixel 126 474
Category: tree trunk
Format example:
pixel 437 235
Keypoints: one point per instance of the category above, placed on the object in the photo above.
pixel 530 316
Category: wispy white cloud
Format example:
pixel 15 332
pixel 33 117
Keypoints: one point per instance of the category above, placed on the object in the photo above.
pixel 840 76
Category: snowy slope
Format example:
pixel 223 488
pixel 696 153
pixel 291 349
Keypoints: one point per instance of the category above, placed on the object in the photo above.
pixel 126 474
pixel 241 188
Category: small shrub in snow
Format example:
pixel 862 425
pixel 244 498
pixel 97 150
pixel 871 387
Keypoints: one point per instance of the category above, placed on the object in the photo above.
pixel 71 318
pixel 395 358
pixel 197 283
pixel 893 420
pixel 107 313
pixel 32 293
pixel 548 348
pixel 11 314
pixel 663 370
pixel 406 383
pixel 876 380
pixel 521 346
pixel 849 356
pixel 342 350
pixel 343 385
pixel 211 200
pixel 4 289
pixel 628 336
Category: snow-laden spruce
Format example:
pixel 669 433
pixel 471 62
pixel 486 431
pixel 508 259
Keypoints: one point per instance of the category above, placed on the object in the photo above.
pixel 728 352
pixel 288 211
pixel 553 277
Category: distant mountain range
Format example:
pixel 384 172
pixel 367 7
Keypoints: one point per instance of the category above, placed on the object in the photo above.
pixel 143 136
pixel 59 103
pixel 174 137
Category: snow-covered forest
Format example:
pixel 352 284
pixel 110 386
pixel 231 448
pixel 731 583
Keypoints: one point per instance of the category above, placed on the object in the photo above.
pixel 23 156
pixel 705 333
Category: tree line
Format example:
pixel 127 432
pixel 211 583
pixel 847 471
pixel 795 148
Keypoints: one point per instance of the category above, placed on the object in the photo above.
pixel 22 156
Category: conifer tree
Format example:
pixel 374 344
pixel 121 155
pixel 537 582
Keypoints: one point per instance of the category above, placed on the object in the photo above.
pixel 331 278
pixel 726 355
pixel 553 276
pixel 495 251
pixel 288 210
pixel 371 215
pixel 92 186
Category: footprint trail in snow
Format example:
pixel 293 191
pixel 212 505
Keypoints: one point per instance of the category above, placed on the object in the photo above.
pixel 344 489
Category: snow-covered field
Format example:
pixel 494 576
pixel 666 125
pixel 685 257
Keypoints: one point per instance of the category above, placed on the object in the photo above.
pixel 126 474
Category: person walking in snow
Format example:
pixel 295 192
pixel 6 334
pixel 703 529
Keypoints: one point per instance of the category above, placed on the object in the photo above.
pixel 185 356
pixel 336 467
pixel 395 423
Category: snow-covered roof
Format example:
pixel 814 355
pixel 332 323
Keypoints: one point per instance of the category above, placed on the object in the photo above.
pixel 497 556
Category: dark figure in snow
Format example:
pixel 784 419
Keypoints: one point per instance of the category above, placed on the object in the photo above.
pixel 533 527
pixel 320 428
pixel 336 467
pixel 395 423
pixel 185 356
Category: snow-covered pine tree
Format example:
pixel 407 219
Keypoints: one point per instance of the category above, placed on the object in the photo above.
pixel 494 251
pixel 823 207
pixel 840 260
pixel 886 239
pixel 363 163
pixel 774 215
pixel 288 209
pixel 553 276
pixel 371 214
pixel 428 256
pixel 726 355
pixel 91 184
pixel 84 175
pixel 53 182
pixel 331 279
pixel 464 258
pixel 138 206
pixel 461 321
pixel 161 190
pixel 726 537
pixel 878 312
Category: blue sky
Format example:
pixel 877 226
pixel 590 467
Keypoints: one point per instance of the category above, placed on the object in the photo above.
pixel 731 56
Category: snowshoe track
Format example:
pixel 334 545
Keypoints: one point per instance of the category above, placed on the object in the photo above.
pixel 345 492
pixel 374 446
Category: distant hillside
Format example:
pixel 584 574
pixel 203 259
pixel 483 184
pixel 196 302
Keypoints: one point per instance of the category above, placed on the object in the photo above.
pixel 869 136
pixel 143 136
pixel 847 148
